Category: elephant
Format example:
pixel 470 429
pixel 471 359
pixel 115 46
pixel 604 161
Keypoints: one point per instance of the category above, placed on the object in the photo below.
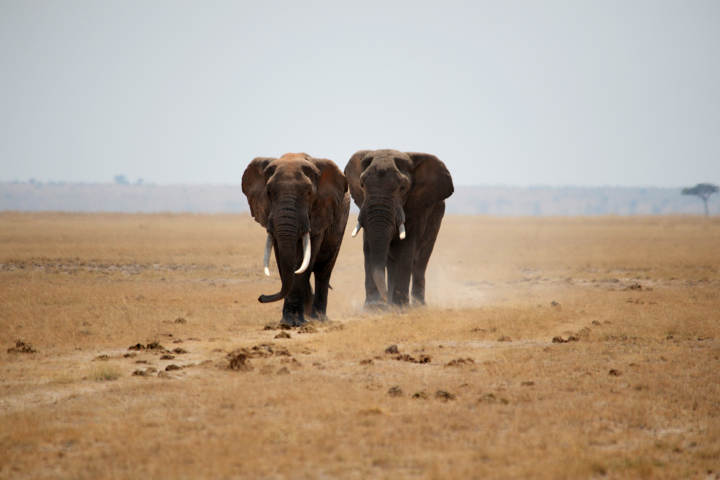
pixel 303 203
pixel 402 202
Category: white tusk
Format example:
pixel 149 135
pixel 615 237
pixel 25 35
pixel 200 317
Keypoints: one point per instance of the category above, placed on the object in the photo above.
pixel 356 230
pixel 306 253
pixel 402 231
pixel 266 258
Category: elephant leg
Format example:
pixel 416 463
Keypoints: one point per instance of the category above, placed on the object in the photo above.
pixel 424 250
pixel 400 261
pixel 322 271
pixel 297 302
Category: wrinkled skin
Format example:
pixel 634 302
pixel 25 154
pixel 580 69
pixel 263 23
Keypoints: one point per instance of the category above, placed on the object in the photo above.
pixel 291 196
pixel 393 188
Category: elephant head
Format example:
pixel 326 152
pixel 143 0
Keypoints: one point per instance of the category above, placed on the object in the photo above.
pixel 293 197
pixel 393 190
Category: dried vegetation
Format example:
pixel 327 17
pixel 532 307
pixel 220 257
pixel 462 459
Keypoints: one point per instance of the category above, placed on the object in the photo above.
pixel 551 348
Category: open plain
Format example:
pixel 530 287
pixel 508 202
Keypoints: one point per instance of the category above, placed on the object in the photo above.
pixel 133 346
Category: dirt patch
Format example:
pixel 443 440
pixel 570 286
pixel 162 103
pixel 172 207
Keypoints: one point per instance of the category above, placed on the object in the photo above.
pixel 395 391
pixel 21 347
pixel 406 357
pixel 559 339
pixel 444 396
pixel 307 328
pixel 239 361
pixel 492 398
pixel 460 362
pixel 392 350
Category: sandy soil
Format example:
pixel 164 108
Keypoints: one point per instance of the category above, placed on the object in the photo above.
pixel 133 346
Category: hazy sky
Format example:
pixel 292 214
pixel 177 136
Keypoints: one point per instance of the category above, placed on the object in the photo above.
pixel 505 92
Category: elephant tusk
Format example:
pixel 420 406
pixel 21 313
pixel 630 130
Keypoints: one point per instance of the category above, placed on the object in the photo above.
pixel 356 230
pixel 266 258
pixel 402 231
pixel 306 254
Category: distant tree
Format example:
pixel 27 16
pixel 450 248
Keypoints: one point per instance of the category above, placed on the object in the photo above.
pixel 121 180
pixel 702 190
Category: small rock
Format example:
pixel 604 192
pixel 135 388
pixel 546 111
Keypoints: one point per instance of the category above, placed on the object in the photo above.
pixel 172 367
pixel 444 396
pixel 167 356
pixel 527 383
pixel 154 346
pixel 283 371
pixel 554 304
pixel 421 395
pixel 179 350
pixel 180 320
pixel 102 357
pixel 504 338
pixel 137 346
pixel 282 335
pixel 614 372
pixel 595 322
pixel 367 361
pixel 129 355
pixel 392 349
pixel 395 391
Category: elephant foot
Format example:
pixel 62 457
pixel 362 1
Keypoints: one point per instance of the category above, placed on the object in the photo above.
pixel 418 302
pixel 293 320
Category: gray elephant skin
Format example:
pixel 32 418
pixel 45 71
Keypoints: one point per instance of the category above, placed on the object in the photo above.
pixel 303 203
pixel 402 202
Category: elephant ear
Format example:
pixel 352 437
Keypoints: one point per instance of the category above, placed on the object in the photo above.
pixel 253 186
pixel 432 182
pixel 331 188
pixel 352 171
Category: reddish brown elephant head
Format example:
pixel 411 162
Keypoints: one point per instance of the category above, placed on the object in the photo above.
pixel 293 197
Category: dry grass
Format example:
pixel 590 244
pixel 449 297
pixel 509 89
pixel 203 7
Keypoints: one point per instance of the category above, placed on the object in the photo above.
pixel 635 396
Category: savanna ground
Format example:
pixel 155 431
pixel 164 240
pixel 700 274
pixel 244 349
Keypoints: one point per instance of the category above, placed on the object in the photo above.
pixel 478 388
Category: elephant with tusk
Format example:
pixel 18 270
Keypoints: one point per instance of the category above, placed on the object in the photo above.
pixel 303 203
pixel 402 202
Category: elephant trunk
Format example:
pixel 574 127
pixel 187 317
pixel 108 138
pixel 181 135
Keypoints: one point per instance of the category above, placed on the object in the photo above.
pixel 286 233
pixel 379 221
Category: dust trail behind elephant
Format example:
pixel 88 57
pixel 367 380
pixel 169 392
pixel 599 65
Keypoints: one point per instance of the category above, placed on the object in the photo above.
pixel 457 275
